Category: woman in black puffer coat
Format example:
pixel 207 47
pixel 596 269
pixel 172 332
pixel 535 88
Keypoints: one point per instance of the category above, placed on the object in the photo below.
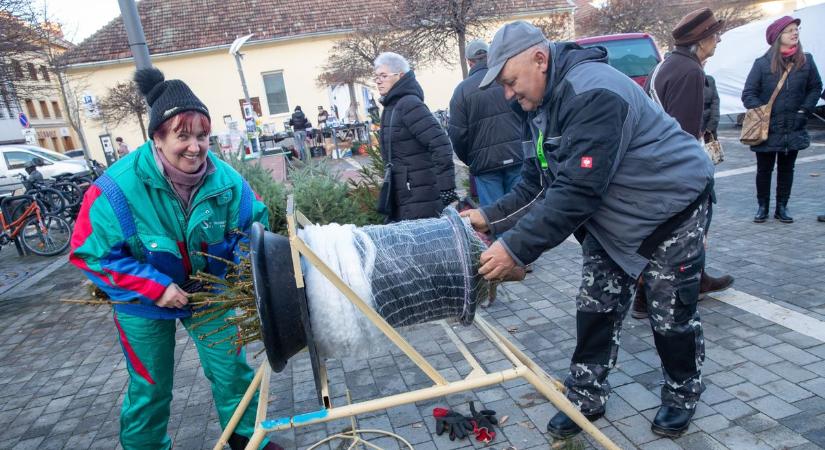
pixel 797 98
pixel 423 176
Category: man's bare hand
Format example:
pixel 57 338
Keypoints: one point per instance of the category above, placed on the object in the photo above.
pixel 476 220
pixel 496 263
pixel 173 297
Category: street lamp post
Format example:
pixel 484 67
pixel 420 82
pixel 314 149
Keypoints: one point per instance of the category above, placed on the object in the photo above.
pixel 134 32
pixel 248 110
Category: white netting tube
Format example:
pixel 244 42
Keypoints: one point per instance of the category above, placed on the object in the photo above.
pixel 409 272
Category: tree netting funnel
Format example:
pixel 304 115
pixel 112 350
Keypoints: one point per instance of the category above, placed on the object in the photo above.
pixel 409 272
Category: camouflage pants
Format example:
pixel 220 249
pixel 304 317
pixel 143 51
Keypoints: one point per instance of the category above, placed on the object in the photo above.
pixel 671 280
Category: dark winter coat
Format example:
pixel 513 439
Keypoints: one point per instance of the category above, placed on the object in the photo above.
pixel 616 165
pixel 484 130
pixel 299 121
pixel 680 84
pixel 710 116
pixel 799 92
pixel 422 158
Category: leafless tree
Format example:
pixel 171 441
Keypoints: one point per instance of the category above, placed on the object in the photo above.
pixel 18 39
pixel 735 14
pixel 443 24
pixel 52 51
pixel 659 17
pixel 556 27
pixel 124 102
pixel 350 59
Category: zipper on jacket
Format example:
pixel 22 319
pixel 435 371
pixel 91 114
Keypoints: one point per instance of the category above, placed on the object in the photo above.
pixel 187 215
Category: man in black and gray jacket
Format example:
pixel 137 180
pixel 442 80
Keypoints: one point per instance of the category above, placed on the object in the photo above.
pixel 484 130
pixel 606 164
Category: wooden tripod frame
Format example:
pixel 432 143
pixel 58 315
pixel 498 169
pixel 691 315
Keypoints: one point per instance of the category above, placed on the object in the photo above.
pixel 523 366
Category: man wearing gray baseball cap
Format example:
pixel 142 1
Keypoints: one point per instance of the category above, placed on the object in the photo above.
pixel 606 164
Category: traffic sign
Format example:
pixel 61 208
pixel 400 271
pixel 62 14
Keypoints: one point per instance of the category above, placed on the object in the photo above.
pixel 23 120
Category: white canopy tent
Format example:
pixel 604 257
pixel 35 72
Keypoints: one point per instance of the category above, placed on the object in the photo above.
pixel 740 46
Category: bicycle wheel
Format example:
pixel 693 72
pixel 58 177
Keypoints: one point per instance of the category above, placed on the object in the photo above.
pixel 53 200
pixel 46 237
pixel 70 191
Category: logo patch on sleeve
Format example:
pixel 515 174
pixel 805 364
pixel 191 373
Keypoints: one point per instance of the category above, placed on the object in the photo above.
pixel 587 162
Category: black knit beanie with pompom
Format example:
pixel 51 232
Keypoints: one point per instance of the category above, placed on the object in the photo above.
pixel 167 98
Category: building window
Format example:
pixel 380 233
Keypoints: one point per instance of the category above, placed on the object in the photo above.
pixel 18 69
pixel 67 143
pixel 276 93
pixel 32 71
pixel 44 109
pixel 45 73
pixel 30 109
pixel 56 109
pixel 56 144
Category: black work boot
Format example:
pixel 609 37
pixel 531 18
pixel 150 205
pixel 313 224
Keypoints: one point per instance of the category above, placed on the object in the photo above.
pixel 671 422
pixel 762 212
pixel 238 442
pixel 639 308
pixel 562 427
pixel 781 213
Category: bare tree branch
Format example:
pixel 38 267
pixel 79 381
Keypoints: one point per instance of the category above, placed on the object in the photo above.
pixel 659 17
pixel 556 27
pixel 445 24
pixel 122 103
pixel 350 60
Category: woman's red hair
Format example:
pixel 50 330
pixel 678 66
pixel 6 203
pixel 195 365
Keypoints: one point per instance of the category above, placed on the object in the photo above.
pixel 183 122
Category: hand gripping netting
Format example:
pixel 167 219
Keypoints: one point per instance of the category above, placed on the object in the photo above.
pixel 410 272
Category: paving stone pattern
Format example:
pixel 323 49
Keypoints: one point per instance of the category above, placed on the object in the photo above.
pixel 63 375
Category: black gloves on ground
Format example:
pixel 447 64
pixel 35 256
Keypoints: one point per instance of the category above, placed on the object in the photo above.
pixel 456 425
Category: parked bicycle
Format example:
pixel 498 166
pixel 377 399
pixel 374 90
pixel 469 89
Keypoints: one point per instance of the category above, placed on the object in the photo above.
pixel 38 232
pixel 51 200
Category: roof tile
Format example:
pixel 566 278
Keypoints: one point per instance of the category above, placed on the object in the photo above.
pixel 172 26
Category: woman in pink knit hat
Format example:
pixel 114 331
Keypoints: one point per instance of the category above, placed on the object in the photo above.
pixel 789 114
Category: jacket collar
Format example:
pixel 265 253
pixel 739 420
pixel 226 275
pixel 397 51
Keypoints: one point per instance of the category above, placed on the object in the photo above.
pixel 407 85
pixel 684 51
pixel 149 171
pixel 481 65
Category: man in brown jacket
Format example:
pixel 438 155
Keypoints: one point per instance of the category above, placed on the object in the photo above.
pixel 677 84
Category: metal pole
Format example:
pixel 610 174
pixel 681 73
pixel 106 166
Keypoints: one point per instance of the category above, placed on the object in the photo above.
pixel 243 79
pixel 255 144
pixel 134 31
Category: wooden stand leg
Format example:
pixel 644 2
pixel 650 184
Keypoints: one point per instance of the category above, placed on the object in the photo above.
pixel 563 404
pixel 242 406
pixel 257 438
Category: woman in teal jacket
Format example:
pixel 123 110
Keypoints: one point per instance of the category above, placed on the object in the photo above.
pixel 139 235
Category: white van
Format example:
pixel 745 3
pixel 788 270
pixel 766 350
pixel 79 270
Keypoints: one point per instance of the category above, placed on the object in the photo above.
pixel 13 159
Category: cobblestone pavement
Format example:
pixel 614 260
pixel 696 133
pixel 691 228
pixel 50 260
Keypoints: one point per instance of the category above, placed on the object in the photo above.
pixel 62 373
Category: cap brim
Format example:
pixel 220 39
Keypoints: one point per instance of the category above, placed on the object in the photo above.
pixel 492 74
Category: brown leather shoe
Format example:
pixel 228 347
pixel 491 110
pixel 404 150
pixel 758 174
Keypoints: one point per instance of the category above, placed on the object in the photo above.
pixel 711 284
pixel 639 308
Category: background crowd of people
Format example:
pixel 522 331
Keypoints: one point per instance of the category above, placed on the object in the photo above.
pixel 559 144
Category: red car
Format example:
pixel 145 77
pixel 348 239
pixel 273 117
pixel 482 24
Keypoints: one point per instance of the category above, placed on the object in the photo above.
pixel 633 54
